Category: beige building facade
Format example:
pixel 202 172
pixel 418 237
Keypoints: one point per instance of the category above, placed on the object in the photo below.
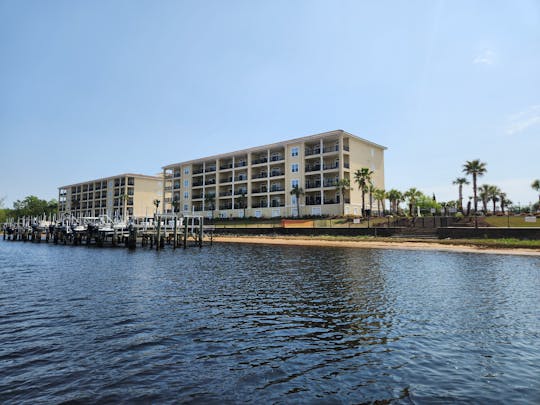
pixel 124 195
pixel 257 182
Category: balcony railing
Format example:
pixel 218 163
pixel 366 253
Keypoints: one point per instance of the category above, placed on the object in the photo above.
pixel 277 158
pixel 277 188
pixel 315 168
pixel 276 173
pixel 261 175
pixel 225 180
pixel 330 201
pixel 275 204
pixel 226 166
pixel 316 184
pixel 333 148
pixel 259 190
pixel 225 206
pixel 240 191
pixel 330 183
pixel 225 193
pixel 346 165
pixel 197 196
pixel 313 201
pixel 241 178
pixel 210 169
pixel 260 204
pixel 259 160
pixel 312 151
pixel 346 148
pixel 198 171
pixel 240 164
pixel 197 183
pixel 209 182
pixel 331 166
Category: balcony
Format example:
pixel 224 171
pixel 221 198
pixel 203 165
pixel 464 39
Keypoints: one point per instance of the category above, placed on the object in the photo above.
pixel 226 166
pixel 276 173
pixel 330 201
pixel 259 161
pixel 332 148
pixel 314 168
pixel 225 206
pixel 331 166
pixel 198 171
pixel 275 204
pixel 259 190
pixel 274 189
pixel 277 158
pixel 259 204
pixel 242 163
pixel 261 175
pixel 346 148
pixel 330 183
pixel 312 151
pixel 241 178
pixel 313 201
pixel 197 196
pixel 224 180
pixel 346 165
pixel 210 169
pixel 209 182
pixel 225 193
pixel 198 183
pixel 316 184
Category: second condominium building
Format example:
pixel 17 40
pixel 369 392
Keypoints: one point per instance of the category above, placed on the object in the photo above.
pixel 258 181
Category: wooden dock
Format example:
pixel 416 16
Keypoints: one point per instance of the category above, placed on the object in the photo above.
pixel 156 232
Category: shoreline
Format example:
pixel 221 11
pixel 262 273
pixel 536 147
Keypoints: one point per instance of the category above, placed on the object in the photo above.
pixel 376 244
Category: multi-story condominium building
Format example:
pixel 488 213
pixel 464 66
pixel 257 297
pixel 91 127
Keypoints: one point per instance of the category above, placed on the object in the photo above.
pixel 258 181
pixel 121 195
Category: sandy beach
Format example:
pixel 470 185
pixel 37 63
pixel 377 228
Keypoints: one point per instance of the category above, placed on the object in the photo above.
pixel 375 244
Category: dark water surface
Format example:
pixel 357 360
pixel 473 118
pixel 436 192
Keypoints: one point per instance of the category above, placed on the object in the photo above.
pixel 266 324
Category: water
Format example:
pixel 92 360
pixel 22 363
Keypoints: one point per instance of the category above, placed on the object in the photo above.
pixel 267 324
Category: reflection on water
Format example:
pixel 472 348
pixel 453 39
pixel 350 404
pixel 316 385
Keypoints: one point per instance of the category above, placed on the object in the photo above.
pixel 236 323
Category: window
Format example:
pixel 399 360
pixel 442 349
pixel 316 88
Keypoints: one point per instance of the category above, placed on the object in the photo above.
pixel 294 151
pixel 294 183
pixel 293 200
pixel 186 207
pixel 186 170
pixel 186 183
pixel 294 167
pixel 186 195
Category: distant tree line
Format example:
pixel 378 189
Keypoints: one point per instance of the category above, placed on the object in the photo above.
pixel 29 206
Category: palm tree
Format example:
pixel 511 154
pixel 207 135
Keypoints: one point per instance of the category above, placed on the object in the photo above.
pixel 175 204
pixel 493 195
pixel 242 200
pixel 362 177
pixel 412 195
pixel 156 203
pixel 210 201
pixel 380 196
pixel 460 181
pixel 483 193
pixel 536 186
pixel 395 197
pixel 297 192
pixel 476 169
pixel 504 201
pixel 342 186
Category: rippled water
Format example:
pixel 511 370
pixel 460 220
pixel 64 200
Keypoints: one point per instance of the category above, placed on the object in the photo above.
pixel 265 324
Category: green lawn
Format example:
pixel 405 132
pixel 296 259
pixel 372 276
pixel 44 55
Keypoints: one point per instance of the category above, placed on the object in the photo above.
pixel 515 221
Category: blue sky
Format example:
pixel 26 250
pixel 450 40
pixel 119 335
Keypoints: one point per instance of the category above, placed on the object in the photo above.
pixel 95 88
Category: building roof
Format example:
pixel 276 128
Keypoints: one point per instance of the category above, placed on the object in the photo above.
pixel 140 176
pixel 276 144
